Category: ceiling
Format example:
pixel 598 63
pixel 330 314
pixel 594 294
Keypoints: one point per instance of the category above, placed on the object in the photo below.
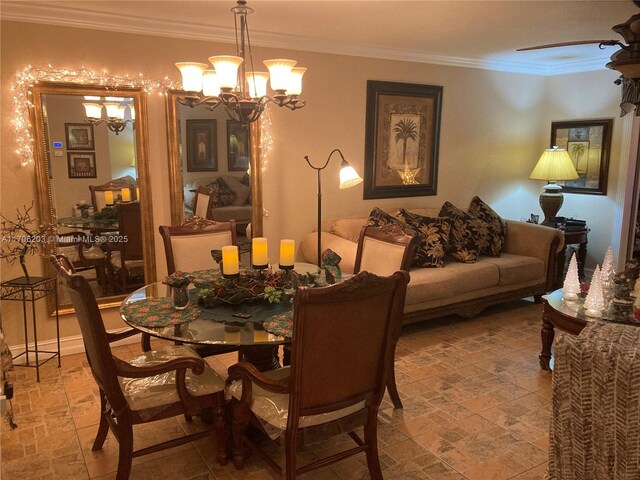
pixel 480 34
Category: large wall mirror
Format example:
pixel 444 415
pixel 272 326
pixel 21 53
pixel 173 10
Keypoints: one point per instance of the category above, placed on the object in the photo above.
pixel 93 186
pixel 208 150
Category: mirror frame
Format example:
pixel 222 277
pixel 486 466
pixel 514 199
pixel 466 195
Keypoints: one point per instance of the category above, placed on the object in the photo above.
pixel 175 167
pixel 43 186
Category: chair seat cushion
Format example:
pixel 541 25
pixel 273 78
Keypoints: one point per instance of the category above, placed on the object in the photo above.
pixel 273 408
pixel 160 390
pixel 116 261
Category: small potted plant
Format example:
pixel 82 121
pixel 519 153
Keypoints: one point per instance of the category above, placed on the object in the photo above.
pixel 179 281
pixel 84 208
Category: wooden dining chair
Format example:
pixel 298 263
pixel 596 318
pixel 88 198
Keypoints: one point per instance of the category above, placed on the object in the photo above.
pixel 203 202
pixel 98 200
pixel 125 259
pixel 153 386
pixel 383 253
pixel 84 255
pixel 342 342
pixel 187 248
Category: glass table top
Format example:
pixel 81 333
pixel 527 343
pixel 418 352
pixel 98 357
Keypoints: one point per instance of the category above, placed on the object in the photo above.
pixel 90 223
pixel 615 311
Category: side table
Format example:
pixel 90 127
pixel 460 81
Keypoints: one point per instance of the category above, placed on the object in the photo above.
pixel 26 291
pixel 572 237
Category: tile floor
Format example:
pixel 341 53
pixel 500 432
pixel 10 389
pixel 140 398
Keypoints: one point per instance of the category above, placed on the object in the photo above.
pixel 476 406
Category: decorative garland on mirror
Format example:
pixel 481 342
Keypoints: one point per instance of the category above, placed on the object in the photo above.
pixel 30 75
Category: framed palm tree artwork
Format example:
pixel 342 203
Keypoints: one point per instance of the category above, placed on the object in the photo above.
pixel 401 139
pixel 588 143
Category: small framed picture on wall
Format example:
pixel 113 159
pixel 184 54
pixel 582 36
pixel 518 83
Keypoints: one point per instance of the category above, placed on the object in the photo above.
pixel 79 136
pixel 238 147
pixel 82 165
pixel 202 145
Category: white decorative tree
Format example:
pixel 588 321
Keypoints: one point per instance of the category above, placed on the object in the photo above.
pixel 594 303
pixel 607 268
pixel 571 286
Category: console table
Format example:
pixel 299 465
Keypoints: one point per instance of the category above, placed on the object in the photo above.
pixel 572 237
pixel 26 291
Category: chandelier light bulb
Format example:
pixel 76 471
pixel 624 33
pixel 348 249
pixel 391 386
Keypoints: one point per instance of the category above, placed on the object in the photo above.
pixel 92 98
pixel 257 83
pixel 191 75
pixel 132 111
pixel 226 67
pixel 114 110
pixel 295 81
pixel 93 110
pixel 280 72
pixel 210 86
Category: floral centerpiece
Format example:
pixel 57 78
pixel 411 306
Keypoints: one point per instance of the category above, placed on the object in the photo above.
pixel 84 208
pixel 177 279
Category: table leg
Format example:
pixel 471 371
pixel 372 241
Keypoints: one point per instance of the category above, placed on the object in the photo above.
pixel 560 260
pixel 547 333
pixel 263 357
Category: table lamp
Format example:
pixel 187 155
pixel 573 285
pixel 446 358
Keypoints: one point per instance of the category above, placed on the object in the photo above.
pixel 555 164
pixel 348 178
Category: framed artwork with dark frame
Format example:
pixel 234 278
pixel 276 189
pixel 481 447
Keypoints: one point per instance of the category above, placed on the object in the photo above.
pixel 238 147
pixel 79 136
pixel 402 135
pixel 81 165
pixel 202 145
pixel 588 143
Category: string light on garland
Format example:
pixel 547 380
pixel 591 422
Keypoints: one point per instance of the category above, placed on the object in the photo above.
pixel 29 76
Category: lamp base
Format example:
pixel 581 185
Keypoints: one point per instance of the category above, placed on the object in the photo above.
pixel 550 201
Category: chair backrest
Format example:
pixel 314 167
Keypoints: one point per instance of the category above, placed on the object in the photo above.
pixel 188 246
pixel 202 202
pixel 129 237
pixel 342 338
pixel 383 253
pixel 93 331
pixel 97 191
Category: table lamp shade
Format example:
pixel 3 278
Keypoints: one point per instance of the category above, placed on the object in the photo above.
pixel 554 164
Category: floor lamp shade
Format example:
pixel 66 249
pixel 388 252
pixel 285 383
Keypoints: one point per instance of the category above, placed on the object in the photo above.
pixel 555 164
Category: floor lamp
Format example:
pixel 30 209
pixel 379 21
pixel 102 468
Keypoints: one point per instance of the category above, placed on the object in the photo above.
pixel 348 178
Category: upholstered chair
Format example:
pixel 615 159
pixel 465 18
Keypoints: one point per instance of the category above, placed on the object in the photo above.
pixel 203 202
pixel 84 255
pixel 125 260
pixel 383 253
pixel 343 339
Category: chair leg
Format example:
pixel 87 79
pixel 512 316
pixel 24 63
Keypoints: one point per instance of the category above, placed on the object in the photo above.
pixel 392 388
pixel 220 431
pixel 290 454
pixel 103 428
pixel 125 452
pixel 239 421
pixel 371 439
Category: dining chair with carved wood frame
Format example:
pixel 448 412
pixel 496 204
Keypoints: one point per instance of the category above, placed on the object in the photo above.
pixel 383 253
pixel 125 251
pixel 203 202
pixel 356 321
pixel 153 386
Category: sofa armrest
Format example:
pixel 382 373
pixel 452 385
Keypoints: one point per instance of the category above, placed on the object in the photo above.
pixel 537 241
pixel 345 248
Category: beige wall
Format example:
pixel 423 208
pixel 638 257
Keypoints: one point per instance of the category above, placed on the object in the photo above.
pixel 494 127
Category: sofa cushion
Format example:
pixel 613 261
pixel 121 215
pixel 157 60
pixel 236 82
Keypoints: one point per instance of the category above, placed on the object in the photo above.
pixel 434 237
pixel 240 190
pixel 516 269
pixel 386 222
pixel 497 226
pixel 454 278
pixel 468 234
pixel 348 228
pixel 221 193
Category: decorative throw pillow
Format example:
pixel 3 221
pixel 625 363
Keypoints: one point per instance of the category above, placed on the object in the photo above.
pixel 240 190
pixel 497 226
pixel 386 222
pixel 467 236
pixel 434 238
pixel 221 193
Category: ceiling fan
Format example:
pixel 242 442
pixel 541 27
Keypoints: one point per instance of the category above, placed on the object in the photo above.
pixel 627 59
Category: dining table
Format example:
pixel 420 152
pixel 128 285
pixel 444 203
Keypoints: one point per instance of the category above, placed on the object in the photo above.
pixel 90 222
pixel 257 328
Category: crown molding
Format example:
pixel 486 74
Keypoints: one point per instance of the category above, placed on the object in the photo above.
pixel 78 18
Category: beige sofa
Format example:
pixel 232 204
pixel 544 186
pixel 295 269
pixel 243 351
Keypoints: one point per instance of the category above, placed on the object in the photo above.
pixel 525 268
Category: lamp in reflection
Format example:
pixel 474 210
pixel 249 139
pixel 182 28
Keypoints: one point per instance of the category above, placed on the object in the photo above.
pixel 348 178
pixel 115 112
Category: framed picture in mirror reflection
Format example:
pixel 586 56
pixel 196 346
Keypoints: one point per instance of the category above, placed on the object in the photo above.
pixel 202 146
pixel 82 165
pixel 238 148
pixel 79 136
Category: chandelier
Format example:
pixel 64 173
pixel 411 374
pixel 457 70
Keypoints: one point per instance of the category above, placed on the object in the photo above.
pixel 242 92
pixel 115 113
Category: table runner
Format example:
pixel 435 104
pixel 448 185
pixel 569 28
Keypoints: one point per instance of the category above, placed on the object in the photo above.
pixel 158 312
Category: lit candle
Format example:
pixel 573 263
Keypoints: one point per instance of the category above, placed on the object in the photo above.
pixel 287 253
pixel 138 193
pixel 125 192
pixel 260 336
pixel 230 261
pixel 232 335
pixel 259 252
pixel 108 197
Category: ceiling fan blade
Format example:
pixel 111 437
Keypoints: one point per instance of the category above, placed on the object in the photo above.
pixel 568 44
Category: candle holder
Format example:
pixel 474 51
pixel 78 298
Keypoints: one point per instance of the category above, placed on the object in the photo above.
pixel 231 276
pixel 259 267
pixel 285 267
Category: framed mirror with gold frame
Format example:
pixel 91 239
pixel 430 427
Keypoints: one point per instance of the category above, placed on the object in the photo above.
pixel 93 187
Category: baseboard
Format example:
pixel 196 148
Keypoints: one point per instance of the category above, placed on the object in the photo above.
pixel 68 346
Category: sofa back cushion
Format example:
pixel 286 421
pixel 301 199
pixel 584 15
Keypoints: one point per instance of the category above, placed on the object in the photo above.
pixel 434 237
pixel 347 228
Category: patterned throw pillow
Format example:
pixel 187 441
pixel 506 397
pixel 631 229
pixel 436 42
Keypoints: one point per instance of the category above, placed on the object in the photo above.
pixel 468 234
pixel 497 226
pixel 434 238
pixel 386 222
pixel 221 193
